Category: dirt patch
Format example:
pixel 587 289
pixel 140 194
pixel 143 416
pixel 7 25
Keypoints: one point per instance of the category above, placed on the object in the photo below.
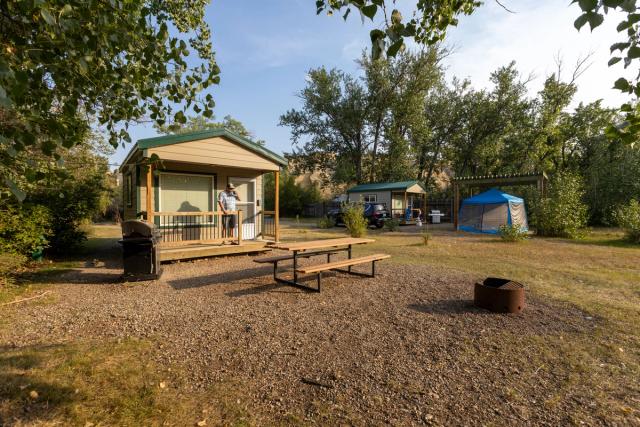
pixel 407 347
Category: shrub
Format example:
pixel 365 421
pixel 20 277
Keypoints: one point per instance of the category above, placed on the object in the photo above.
pixel 391 224
pixel 426 237
pixel 71 205
pixel 562 213
pixel 628 218
pixel 325 222
pixel 512 233
pixel 354 219
pixel 23 229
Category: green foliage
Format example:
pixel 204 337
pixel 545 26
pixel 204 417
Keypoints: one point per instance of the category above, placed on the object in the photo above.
pixel 512 233
pixel 325 222
pixel 626 51
pixel 354 219
pixel 293 196
pixel 198 123
pixel 57 208
pixel 116 61
pixel 430 20
pixel 352 129
pixel 562 212
pixel 424 127
pixel 24 229
pixel 71 205
pixel 628 218
pixel 428 23
pixel 391 224
pixel 611 172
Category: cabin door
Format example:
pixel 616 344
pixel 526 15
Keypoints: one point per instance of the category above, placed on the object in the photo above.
pixel 246 189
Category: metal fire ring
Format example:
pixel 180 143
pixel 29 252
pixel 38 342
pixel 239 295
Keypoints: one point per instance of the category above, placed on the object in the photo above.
pixel 499 295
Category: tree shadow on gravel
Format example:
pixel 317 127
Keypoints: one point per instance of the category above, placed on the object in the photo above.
pixel 269 287
pixel 448 306
pixel 75 277
pixel 223 278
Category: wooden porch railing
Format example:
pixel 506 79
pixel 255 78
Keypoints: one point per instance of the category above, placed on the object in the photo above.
pixel 180 228
pixel 269 226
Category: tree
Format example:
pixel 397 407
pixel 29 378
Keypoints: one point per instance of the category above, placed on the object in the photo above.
pixel 413 77
pixel 63 63
pixel 445 116
pixel 364 129
pixel 431 18
pixel 197 123
pixel 330 129
pixel 293 196
pixel 427 26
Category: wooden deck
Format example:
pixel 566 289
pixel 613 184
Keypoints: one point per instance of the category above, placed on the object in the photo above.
pixel 203 250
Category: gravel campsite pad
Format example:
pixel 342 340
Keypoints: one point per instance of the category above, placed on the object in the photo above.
pixel 406 347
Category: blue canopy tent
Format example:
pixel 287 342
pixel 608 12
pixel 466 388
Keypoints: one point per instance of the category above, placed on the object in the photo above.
pixel 486 212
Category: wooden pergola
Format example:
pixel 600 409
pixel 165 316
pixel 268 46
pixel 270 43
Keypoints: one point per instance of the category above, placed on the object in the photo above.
pixel 488 181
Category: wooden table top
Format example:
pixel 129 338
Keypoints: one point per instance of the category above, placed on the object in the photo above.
pixel 319 244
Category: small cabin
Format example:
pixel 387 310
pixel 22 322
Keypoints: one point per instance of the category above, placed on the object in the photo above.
pixel 405 200
pixel 174 181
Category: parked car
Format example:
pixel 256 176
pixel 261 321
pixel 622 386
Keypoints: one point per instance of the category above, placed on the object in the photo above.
pixel 376 214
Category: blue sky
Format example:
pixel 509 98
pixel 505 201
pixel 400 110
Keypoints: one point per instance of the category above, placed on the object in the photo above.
pixel 265 48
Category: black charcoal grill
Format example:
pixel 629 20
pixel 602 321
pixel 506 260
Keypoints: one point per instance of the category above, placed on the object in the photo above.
pixel 140 257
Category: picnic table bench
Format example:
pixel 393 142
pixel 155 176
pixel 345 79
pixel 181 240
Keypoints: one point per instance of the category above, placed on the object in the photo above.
pixel 327 247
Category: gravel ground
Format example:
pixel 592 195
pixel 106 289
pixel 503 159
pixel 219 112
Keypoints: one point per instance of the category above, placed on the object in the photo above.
pixel 404 348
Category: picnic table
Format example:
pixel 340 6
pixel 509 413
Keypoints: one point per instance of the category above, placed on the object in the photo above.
pixel 313 248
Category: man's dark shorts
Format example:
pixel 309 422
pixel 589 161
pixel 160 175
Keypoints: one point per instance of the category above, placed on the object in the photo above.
pixel 229 222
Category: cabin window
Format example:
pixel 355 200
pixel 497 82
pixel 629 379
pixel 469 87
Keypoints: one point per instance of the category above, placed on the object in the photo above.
pixel 370 198
pixel 186 193
pixel 128 190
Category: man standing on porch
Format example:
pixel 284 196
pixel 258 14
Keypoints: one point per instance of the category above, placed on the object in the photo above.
pixel 227 202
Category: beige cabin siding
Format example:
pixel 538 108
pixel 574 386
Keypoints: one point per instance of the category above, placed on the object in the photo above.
pixel 416 189
pixel 213 151
pixel 381 197
pixel 222 175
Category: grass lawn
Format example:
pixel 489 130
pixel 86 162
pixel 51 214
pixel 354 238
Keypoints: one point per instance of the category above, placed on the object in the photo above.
pixel 116 384
pixel 599 274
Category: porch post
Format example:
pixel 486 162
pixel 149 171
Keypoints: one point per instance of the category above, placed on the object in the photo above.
pixel 277 205
pixel 239 227
pixel 456 204
pixel 404 208
pixel 150 193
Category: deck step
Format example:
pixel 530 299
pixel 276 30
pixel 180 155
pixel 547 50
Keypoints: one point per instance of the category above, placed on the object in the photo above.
pixel 343 263
pixel 201 251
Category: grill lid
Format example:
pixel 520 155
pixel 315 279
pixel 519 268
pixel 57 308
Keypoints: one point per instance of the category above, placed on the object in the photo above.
pixel 137 228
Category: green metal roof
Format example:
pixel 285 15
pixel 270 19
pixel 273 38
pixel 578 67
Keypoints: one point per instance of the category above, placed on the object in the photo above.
pixel 384 186
pixel 159 141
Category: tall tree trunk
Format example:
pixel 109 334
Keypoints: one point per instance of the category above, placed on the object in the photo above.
pixel 372 175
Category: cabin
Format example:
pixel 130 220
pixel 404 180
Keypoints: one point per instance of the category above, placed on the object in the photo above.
pixel 396 196
pixel 174 181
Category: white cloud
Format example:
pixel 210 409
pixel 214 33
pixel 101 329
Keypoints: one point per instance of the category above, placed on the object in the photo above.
pixel 353 49
pixel 278 51
pixel 533 37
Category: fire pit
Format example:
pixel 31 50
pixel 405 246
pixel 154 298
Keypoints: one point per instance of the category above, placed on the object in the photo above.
pixel 499 295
